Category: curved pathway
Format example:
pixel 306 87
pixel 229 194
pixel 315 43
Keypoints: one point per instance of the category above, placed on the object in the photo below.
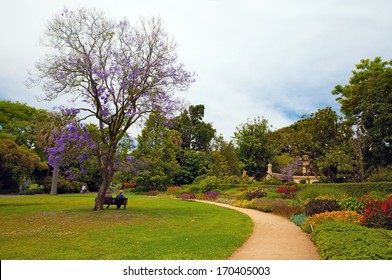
pixel 273 238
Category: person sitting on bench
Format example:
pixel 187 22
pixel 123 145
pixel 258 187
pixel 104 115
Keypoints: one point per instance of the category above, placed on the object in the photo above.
pixel 119 199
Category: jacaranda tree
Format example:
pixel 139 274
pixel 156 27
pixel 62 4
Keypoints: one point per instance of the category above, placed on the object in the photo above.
pixel 68 140
pixel 120 72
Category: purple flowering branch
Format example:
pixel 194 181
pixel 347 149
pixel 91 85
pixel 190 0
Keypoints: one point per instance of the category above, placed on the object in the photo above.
pixel 70 141
pixel 121 73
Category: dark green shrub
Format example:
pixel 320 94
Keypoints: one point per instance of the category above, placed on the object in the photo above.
pixel 339 241
pixel 316 206
pixel 140 189
pixel 382 174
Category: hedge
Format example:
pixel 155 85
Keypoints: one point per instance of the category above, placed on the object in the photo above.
pixel 339 241
pixel 357 189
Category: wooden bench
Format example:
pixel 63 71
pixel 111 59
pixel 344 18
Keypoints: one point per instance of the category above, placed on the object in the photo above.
pixel 116 201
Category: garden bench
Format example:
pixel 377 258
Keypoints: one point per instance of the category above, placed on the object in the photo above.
pixel 116 201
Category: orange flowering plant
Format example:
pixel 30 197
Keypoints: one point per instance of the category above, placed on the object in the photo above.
pixel 345 216
pixel 173 189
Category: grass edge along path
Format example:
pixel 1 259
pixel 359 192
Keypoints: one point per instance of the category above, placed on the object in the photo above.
pixel 64 227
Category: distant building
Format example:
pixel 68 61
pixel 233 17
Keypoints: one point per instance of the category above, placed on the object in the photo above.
pixel 303 173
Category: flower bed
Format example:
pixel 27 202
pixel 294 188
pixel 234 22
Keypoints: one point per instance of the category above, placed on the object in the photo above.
pixel 377 213
pixel 345 216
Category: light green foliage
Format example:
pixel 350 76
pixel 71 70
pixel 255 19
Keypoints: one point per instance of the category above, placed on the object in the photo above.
pixel 339 241
pixel 367 103
pixel 254 150
pixel 209 183
pixel 314 191
pixel 19 123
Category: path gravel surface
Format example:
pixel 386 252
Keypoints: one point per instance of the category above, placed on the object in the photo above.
pixel 273 238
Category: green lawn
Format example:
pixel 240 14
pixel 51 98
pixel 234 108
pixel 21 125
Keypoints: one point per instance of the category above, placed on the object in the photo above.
pixel 65 227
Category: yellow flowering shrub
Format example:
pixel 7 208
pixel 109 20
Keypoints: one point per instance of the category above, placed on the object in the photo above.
pixel 345 216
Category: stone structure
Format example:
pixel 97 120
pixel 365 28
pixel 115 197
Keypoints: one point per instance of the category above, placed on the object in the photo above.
pixel 303 173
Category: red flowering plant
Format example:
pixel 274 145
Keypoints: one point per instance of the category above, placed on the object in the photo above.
pixel 287 192
pixel 377 213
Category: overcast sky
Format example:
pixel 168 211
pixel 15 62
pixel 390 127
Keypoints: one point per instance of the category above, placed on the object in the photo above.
pixel 277 59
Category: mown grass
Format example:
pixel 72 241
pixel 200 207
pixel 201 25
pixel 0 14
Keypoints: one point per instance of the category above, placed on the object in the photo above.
pixel 65 227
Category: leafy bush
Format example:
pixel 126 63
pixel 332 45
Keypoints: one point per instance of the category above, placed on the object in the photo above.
pixel 272 181
pixel 243 203
pixel 232 180
pixel 316 206
pixel 199 178
pixel 250 195
pixel 140 189
pixel 351 204
pixel 382 174
pixel 339 241
pixel 377 213
pixel 209 183
pixel 298 219
pixel 347 217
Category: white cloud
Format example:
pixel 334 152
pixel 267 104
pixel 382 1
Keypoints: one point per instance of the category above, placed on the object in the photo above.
pixel 278 59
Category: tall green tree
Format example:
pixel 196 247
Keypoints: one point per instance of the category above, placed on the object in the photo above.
pixel 326 139
pixel 192 164
pixel 157 147
pixel 196 134
pixel 16 162
pixel 19 123
pixel 366 102
pixel 224 159
pixel 254 150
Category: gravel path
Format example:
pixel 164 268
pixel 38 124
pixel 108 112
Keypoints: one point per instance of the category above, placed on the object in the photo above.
pixel 273 238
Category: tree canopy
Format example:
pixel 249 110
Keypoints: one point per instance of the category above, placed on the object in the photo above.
pixel 120 72
pixel 366 102
pixel 254 149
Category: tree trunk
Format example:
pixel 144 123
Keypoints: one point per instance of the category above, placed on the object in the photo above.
pixel 55 178
pixel 107 176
